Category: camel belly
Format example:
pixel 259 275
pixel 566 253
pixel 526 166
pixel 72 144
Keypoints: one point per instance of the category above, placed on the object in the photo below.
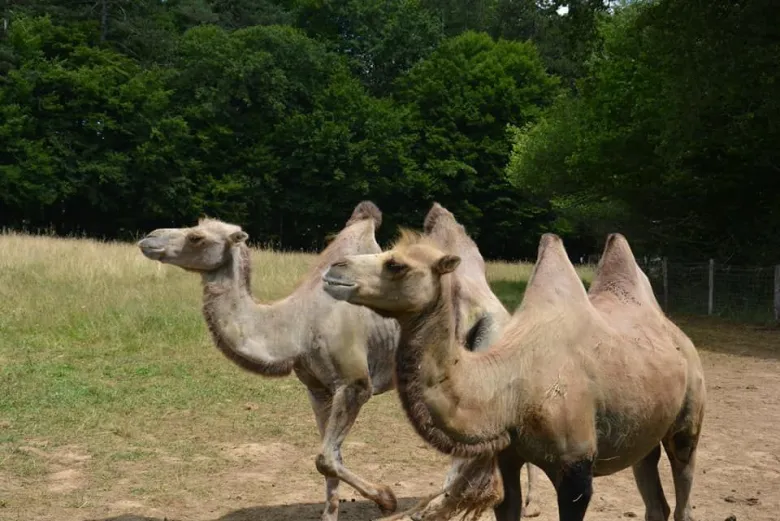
pixel 624 438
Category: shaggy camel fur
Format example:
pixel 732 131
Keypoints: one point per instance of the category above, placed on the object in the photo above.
pixel 581 385
pixel 480 317
pixel 342 353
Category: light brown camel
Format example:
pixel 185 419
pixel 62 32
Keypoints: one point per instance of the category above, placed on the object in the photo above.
pixel 480 317
pixel 581 385
pixel 342 353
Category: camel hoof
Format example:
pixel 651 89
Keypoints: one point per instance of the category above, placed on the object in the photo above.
pixel 531 510
pixel 330 513
pixel 386 501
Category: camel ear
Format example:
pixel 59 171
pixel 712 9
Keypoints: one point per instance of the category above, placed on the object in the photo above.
pixel 446 264
pixel 238 237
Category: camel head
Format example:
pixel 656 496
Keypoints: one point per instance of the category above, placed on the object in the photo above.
pixel 205 247
pixel 404 279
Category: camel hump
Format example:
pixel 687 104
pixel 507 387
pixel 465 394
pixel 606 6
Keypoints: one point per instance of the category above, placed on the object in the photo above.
pixel 617 258
pixel 434 216
pixel 366 210
pixel 617 264
pixel 618 273
pixel 554 281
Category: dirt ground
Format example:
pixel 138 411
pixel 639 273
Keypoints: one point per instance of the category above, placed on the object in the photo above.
pixel 738 471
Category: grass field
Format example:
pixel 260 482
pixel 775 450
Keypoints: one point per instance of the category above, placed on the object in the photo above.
pixel 114 403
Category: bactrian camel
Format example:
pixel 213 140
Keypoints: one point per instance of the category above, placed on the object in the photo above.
pixel 479 318
pixel 342 353
pixel 580 384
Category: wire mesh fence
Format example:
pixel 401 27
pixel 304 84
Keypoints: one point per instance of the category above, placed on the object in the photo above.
pixel 707 288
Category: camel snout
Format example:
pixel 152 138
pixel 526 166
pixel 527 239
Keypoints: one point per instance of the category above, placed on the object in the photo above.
pixel 152 247
pixel 336 281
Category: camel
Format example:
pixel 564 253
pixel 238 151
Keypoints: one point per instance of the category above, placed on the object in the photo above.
pixel 342 353
pixel 480 316
pixel 580 384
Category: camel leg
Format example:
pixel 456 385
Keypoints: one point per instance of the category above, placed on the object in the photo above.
pixel 531 507
pixel 320 403
pixel 511 508
pixel 649 483
pixel 346 403
pixel 574 489
pixel 681 450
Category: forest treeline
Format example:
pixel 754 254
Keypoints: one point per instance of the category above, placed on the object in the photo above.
pixel 655 118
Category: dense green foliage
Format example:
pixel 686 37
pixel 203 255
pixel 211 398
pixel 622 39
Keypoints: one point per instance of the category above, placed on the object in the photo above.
pixel 656 118
pixel 674 135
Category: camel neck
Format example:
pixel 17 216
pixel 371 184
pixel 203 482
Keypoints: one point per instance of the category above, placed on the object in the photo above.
pixel 449 393
pixel 260 338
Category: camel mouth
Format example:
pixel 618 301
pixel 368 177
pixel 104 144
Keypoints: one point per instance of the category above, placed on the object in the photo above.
pixel 338 289
pixel 154 254
pixel 329 281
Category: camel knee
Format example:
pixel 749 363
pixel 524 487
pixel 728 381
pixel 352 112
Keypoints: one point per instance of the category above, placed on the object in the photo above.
pixel 327 465
pixel 359 392
pixel 683 446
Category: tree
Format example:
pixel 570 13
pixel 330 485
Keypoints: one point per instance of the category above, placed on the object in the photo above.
pixel 72 118
pixel 671 135
pixel 279 130
pixel 462 98
pixel 382 39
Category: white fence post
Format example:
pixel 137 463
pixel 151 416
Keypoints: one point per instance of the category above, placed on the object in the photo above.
pixel 711 295
pixel 777 293
pixel 665 271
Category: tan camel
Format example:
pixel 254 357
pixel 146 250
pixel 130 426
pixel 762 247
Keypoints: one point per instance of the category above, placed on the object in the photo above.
pixel 342 353
pixel 480 316
pixel 581 385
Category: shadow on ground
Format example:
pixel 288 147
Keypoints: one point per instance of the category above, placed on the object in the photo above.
pixel 349 511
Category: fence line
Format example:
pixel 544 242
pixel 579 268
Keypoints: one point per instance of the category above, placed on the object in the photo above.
pixel 750 293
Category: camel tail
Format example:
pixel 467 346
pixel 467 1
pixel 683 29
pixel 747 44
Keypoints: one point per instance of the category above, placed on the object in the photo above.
pixel 366 210
pixel 435 214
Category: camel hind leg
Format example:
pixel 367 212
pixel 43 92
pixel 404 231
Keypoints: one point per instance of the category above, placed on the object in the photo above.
pixel 320 403
pixel 649 484
pixel 681 451
pixel 344 408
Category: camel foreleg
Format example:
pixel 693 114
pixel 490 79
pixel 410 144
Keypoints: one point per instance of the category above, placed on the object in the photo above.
pixel 531 507
pixel 511 508
pixel 344 408
pixel 574 488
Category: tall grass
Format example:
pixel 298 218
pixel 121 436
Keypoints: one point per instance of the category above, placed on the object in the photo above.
pixel 103 348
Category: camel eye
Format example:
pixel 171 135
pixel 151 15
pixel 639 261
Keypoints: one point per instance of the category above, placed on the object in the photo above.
pixel 394 267
pixel 195 239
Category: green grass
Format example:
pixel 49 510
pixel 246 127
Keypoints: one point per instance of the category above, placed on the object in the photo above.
pixel 94 336
pixel 105 360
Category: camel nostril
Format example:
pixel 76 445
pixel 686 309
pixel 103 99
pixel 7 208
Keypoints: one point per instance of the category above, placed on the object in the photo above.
pixel 339 264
